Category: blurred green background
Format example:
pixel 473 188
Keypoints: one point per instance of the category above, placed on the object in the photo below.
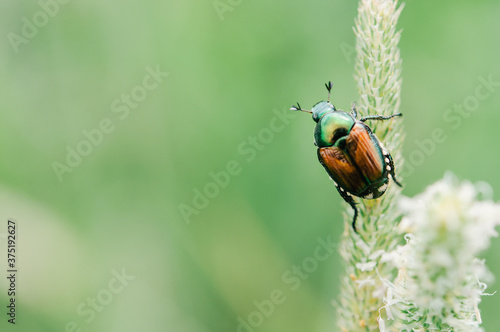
pixel 119 210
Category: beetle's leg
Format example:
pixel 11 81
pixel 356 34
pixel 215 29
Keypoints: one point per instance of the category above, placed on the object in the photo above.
pixel 348 198
pixel 379 117
pixel 390 166
pixel 329 88
pixel 354 113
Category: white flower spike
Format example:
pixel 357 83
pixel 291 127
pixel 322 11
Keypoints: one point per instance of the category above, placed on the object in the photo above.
pixel 441 280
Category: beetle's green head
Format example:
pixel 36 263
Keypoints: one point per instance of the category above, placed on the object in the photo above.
pixel 318 110
pixel 321 109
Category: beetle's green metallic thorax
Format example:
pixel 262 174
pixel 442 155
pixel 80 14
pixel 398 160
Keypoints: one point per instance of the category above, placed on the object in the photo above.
pixel 332 125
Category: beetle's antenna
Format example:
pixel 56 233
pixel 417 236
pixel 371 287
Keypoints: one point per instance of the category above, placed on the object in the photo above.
pixel 329 88
pixel 298 108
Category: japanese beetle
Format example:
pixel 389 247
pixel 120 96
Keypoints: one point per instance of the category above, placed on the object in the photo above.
pixel 351 154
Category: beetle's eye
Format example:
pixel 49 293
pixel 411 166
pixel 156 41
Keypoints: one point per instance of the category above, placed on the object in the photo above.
pixel 338 133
